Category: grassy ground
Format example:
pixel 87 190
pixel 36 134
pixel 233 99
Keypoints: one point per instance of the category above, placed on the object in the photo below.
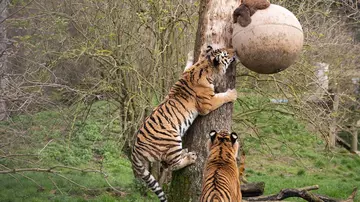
pixel 282 154
pixel 60 137
pixel 336 173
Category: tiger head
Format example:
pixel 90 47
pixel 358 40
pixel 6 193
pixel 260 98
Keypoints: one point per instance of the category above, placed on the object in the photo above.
pixel 213 63
pixel 220 59
pixel 223 140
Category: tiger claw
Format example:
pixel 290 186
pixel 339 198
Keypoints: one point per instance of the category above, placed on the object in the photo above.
pixel 232 94
pixel 192 157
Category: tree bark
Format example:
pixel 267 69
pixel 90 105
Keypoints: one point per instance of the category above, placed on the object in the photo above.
pixel 333 123
pixel 286 193
pixel 354 142
pixel 301 193
pixel 214 28
pixel 343 143
pixel 252 189
pixel 3 59
pixel 321 83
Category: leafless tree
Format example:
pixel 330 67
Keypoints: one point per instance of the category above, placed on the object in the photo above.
pixel 3 59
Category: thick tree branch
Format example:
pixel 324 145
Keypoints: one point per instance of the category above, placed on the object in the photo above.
pixel 54 170
pixel 301 193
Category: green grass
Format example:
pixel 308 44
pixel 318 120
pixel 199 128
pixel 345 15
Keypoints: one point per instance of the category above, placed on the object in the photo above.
pixel 64 137
pixel 334 178
pixel 16 187
pixel 282 153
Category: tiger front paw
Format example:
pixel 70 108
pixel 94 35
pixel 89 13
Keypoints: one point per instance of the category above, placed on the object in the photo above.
pixel 231 94
pixel 191 157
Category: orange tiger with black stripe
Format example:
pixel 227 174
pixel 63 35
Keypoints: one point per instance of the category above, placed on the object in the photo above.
pixel 159 138
pixel 221 175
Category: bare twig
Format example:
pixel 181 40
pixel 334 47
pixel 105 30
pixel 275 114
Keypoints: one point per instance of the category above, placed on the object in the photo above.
pixel 12 14
pixel 51 170
pixel 18 155
pixel 26 170
pixel 45 146
pixel 54 183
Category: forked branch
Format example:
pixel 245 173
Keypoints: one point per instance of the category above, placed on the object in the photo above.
pixel 301 193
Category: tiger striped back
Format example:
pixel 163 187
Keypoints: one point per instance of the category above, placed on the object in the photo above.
pixel 159 137
pixel 221 175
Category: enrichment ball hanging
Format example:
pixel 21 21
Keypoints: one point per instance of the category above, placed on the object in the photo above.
pixel 271 42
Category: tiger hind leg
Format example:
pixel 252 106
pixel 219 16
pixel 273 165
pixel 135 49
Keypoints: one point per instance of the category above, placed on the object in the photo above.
pixel 186 159
pixel 141 170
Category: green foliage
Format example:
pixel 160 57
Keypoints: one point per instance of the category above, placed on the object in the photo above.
pixel 270 124
pixel 282 152
pixel 90 131
pixel 62 154
pixel 301 172
pixel 129 53
pixel 92 145
pixel 319 164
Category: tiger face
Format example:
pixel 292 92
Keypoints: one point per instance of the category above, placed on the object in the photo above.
pixel 220 59
pixel 215 62
pixel 210 67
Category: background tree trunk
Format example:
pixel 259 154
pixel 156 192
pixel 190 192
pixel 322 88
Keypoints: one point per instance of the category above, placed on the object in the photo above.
pixel 321 82
pixel 354 141
pixel 334 115
pixel 214 28
pixel 3 59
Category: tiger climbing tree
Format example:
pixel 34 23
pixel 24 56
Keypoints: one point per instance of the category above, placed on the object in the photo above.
pixel 214 28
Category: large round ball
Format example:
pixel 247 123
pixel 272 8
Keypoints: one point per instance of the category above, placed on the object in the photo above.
pixel 271 42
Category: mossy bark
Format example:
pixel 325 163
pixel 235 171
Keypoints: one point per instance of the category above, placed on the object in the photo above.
pixel 3 59
pixel 215 28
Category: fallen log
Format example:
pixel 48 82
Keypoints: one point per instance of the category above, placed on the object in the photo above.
pixel 286 193
pixel 302 193
pixel 343 143
pixel 349 199
pixel 252 189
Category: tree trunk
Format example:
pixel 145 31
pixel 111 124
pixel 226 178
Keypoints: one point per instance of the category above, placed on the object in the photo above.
pixel 3 59
pixel 321 82
pixel 333 123
pixel 214 28
pixel 354 142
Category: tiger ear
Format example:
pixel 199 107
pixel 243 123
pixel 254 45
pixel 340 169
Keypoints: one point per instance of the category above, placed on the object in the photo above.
pixel 212 135
pixel 216 61
pixel 233 137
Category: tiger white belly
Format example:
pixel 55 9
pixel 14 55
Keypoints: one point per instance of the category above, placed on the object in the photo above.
pixel 187 123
